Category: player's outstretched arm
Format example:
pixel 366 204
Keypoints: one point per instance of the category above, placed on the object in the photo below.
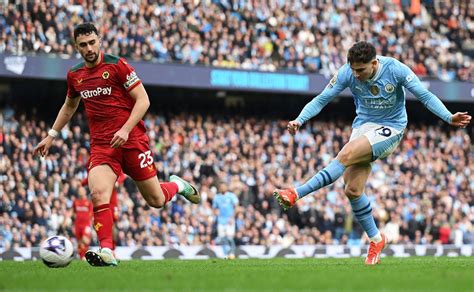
pixel 142 103
pixel 64 116
pixel 411 82
pixel 461 119
pixel 293 126
pixel 335 86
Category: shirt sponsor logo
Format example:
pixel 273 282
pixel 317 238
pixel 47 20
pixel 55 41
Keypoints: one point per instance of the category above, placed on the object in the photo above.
pixel 132 78
pixel 96 92
pixel 380 103
pixel 82 209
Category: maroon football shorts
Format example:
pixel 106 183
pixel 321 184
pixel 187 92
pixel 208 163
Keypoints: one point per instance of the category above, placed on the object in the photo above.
pixel 82 232
pixel 136 160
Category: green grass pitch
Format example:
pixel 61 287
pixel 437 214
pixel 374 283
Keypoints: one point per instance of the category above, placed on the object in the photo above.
pixel 394 274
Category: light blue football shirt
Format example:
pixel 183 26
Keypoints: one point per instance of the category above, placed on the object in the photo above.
pixel 381 99
pixel 226 204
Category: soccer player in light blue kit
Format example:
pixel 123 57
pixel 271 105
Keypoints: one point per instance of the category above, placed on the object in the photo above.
pixel 225 203
pixel 377 84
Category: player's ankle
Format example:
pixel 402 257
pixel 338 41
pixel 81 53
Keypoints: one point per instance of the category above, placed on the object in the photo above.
pixel 377 238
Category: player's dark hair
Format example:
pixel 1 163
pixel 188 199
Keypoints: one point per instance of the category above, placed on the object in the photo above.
pixel 361 52
pixel 84 29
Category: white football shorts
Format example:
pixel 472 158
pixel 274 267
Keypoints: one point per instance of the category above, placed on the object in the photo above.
pixel 383 139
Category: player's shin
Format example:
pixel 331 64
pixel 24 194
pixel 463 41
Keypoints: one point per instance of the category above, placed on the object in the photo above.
pixel 325 177
pixel 170 189
pixel 81 250
pixel 363 212
pixel 103 223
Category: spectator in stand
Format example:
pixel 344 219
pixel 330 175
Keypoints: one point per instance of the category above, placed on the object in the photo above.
pixel 431 173
pixel 298 36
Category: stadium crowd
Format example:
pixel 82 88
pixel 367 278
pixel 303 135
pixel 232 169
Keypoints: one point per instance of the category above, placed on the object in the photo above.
pixel 434 38
pixel 422 194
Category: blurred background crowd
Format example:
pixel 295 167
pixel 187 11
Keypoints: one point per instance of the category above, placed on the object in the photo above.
pixel 434 38
pixel 421 194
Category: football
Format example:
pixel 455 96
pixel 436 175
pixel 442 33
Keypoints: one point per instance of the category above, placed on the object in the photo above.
pixel 56 251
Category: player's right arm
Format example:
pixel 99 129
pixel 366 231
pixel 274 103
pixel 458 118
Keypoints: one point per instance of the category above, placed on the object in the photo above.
pixel 64 116
pixel 337 84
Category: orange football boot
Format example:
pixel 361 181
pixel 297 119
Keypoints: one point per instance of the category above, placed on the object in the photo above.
pixel 286 198
pixel 375 250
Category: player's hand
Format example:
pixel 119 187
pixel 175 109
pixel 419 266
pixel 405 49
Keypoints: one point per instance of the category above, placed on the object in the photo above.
pixel 120 138
pixel 43 147
pixel 461 119
pixel 293 127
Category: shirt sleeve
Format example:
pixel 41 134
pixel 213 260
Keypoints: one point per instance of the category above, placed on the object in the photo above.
pixel 335 86
pixel 127 75
pixel 410 81
pixel 71 92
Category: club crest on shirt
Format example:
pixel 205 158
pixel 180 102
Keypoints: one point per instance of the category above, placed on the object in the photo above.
pixel 389 88
pixel 105 75
pixel 374 89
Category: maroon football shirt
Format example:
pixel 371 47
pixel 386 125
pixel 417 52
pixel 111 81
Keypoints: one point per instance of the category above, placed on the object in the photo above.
pixel 104 89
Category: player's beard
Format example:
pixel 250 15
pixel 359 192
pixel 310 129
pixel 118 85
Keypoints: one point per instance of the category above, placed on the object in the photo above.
pixel 91 58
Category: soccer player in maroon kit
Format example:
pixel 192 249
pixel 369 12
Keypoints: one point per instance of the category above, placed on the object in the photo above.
pixel 115 102
pixel 83 221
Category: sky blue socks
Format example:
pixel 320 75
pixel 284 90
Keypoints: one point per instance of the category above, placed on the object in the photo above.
pixel 323 178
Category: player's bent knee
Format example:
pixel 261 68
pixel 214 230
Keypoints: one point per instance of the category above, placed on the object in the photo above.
pixel 99 198
pixel 155 201
pixel 352 192
pixel 345 156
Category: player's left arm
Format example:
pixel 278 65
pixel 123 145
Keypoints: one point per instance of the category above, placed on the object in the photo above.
pixel 411 82
pixel 142 103
pixel 129 79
